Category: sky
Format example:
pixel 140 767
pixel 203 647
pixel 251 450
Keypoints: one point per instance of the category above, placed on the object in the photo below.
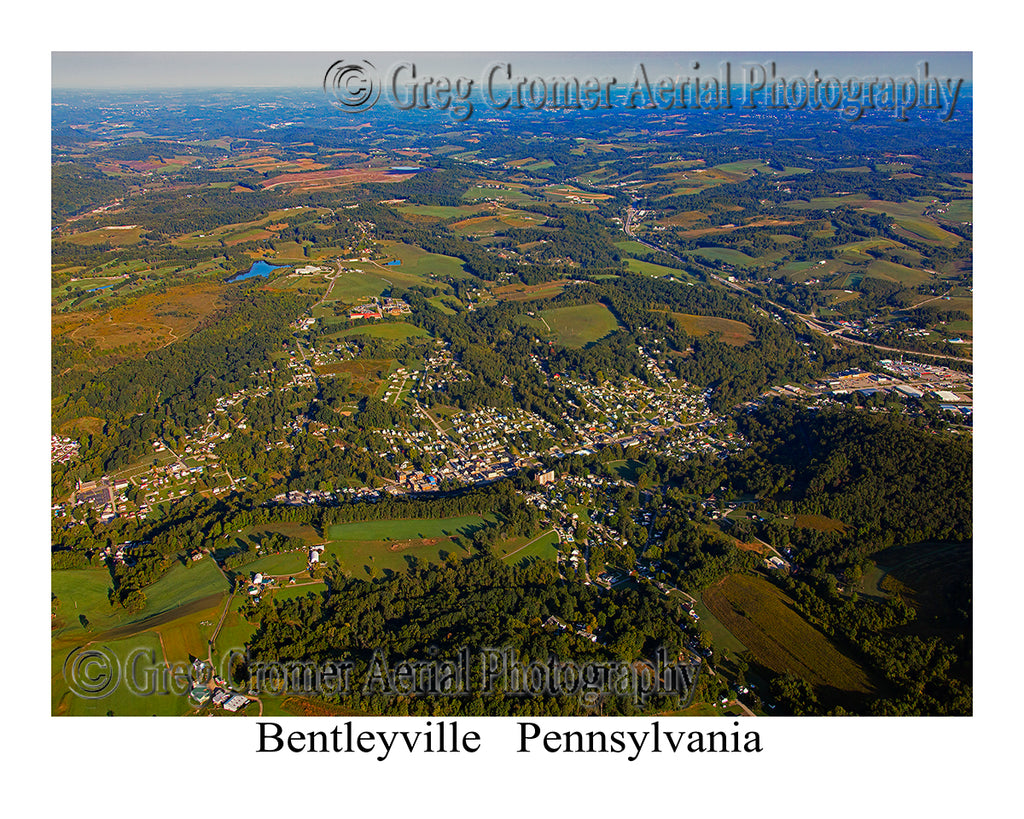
pixel 206 69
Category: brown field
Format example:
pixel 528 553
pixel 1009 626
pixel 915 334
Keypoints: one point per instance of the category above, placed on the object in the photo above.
pixel 686 218
pixel 153 320
pixel 819 522
pixel 402 545
pixel 524 292
pixel 366 373
pixel 116 235
pixel 735 333
pixel 87 424
pixel 340 176
pixel 765 620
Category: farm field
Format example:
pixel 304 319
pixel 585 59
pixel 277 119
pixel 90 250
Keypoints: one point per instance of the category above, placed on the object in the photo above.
pixel 353 286
pixel 372 547
pixel 373 558
pixel 733 332
pixel 290 592
pixel 528 292
pixel 657 270
pixel 122 700
pixel 508 193
pixel 579 326
pixel 418 263
pixel 631 247
pixel 391 330
pixel 519 549
pixel 765 621
pixel 289 563
pixel 819 522
pixel 724 254
pixel 398 530
pixel 117 235
pixel 896 272
pixel 440 211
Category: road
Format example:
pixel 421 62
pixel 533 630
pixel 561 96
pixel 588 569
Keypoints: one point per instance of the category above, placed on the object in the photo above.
pixel 810 321
pixel 441 432
pixel 746 711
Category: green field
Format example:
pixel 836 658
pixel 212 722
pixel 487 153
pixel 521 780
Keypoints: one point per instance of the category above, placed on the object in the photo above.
pixel 926 229
pixel 777 636
pixel 142 650
pixel 508 194
pixel 724 254
pixel 960 210
pixel 280 564
pixel 353 286
pixel 891 271
pixel 299 590
pixel 84 592
pixel 392 330
pixel 440 211
pixel 362 558
pixel 579 326
pixel 516 550
pixel 419 263
pixel 633 248
pixel 371 548
pixel 397 530
pixel 651 269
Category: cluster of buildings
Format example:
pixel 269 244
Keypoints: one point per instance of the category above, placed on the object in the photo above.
pixel 218 694
pixel 378 308
pixel 62 450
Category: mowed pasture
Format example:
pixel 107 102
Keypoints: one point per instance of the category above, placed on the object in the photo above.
pixel 141 650
pixel 723 254
pixel 656 270
pixel 579 326
pixel 390 330
pixel 440 212
pixel 768 624
pixel 891 271
pixel 375 547
pixel 406 529
pixel 525 549
pixel 417 263
pixel 83 593
pixel 509 192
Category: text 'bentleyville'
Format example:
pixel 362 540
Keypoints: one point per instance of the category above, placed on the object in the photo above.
pixel 446 737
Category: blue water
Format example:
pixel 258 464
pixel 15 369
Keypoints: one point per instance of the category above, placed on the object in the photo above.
pixel 93 290
pixel 260 268
pixel 396 261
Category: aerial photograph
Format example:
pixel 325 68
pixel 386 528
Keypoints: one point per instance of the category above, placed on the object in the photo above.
pixel 521 384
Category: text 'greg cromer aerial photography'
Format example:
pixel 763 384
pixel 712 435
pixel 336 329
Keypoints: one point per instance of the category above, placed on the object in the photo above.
pixel 523 384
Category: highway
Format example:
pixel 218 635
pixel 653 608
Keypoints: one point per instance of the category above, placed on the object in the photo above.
pixel 810 321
